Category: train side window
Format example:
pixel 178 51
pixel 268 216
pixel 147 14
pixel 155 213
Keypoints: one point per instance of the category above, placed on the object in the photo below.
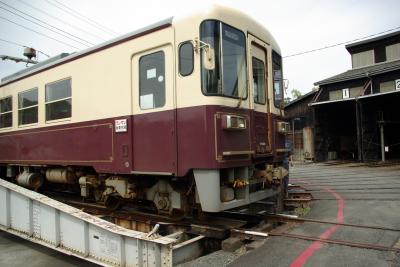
pixel 152 80
pixel 28 107
pixel 58 100
pixel 186 58
pixel 6 112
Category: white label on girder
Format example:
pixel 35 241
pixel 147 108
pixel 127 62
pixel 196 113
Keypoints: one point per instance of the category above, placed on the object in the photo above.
pixel 398 84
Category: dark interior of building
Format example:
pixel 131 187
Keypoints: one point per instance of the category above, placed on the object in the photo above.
pixel 336 131
pixel 340 135
pixel 379 111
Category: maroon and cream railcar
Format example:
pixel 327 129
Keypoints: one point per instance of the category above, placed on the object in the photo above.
pixel 185 113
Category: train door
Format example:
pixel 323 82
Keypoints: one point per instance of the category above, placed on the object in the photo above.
pixel 154 113
pixel 258 62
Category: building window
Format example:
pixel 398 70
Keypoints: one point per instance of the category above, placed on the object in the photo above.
pixel 6 112
pixel 347 93
pixel 258 81
pixel 387 86
pixel 28 107
pixel 362 59
pixel 358 91
pixel 393 52
pixel 152 80
pixel 58 100
pixel 186 58
pixel 335 95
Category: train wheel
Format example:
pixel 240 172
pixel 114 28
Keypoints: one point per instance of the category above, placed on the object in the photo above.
pixel 112 202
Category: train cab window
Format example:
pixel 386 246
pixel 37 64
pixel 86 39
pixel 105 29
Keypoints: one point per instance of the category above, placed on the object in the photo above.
pixel 229 77
pixel 278 79
pixel 152 80
pixel 6 112
pixel 58 100
pixel 186 58
pixel 211 79
pixel 234 71
pixel 28 107
pixel 258 81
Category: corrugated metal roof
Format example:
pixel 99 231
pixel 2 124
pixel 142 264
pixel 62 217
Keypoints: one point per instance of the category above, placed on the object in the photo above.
pixel 363 72
pixel 373 39
pixel 300 98
pixel 60 59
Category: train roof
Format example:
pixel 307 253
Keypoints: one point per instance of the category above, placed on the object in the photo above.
pixel 217 12
pixel 233 17
pixel 65 57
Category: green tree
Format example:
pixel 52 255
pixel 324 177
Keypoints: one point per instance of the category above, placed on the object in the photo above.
pixel 287 100
pixel 295 93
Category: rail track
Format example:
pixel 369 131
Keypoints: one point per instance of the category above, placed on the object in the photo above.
pixel 204 233
pixel 244 224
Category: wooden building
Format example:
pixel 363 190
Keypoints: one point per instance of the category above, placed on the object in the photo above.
pixel 353 115
pixel 301 118
pixel 356 116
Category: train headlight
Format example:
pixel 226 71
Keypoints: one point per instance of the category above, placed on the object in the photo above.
pixel 234 122
pixel 282 127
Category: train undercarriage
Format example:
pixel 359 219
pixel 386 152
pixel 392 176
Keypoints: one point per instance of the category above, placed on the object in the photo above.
pixel 199 191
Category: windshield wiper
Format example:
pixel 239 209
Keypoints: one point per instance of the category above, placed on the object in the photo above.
pixel 240 99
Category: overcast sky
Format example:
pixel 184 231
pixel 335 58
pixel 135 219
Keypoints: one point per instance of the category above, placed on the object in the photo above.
pixel 297 26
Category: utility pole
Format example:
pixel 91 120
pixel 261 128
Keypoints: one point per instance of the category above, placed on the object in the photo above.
pixel 359 124
pixel 294 135
pixel 381 126
pixel 381 123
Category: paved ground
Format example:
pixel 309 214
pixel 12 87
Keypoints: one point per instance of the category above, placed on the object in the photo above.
pixel 366 195
pixel 15 251
pixel 363 195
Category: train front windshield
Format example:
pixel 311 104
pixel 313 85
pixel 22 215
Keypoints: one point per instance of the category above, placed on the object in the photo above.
pixel 228 78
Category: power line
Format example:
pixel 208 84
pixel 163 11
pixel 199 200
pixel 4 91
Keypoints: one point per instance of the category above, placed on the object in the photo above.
pixel 11 42
pixel 43 53
pixel 342 43
pixel 24 46
pixel 45 35
pixel 59 20
pixel 77 15
pixel 54 27
pixel 86 17
pixel 47 28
